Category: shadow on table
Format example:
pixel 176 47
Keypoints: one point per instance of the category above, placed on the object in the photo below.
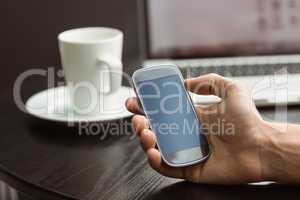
pixel 79 134
pixel 190 191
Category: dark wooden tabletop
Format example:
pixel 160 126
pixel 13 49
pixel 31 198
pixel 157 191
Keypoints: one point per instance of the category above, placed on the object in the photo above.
pixel 52 161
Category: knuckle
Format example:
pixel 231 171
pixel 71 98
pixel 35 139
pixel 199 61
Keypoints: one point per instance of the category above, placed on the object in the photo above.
pixel 135 119
pixel 214 75
pixel 233 85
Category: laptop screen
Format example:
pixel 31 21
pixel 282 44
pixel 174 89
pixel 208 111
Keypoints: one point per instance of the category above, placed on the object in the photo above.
pixel 205 28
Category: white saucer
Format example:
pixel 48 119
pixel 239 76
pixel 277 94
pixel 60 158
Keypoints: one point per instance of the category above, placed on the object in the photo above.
pixel 53 105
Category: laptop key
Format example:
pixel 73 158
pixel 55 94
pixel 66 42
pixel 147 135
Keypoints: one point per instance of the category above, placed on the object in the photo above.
pixel 243 70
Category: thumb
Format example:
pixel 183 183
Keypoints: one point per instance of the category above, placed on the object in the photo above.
pixel 210 84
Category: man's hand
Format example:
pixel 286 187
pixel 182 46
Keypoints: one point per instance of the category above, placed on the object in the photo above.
pixel 234 129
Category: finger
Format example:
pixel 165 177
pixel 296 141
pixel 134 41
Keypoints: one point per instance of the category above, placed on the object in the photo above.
pixel 139 123
pixel 210 84
pixel 204 111
pixel 156 162
pixel 148 139
pixel 208 116
pixel 133 106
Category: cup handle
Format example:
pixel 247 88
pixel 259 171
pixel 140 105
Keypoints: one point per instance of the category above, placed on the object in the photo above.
pixel 114 66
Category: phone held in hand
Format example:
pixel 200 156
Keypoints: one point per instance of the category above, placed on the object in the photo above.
pixel 172 115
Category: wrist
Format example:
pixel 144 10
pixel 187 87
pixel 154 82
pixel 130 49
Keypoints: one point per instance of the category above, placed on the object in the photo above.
pixel 270 156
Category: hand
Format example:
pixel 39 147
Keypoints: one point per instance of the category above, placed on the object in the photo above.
pixel 234 129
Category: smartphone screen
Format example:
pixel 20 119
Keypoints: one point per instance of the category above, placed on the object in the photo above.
pixel 173 119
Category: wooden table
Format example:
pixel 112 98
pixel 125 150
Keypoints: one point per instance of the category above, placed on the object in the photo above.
pixel 51 161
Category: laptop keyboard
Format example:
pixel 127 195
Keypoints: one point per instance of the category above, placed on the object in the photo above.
pixel 255 72
pixel 242 70
pixel 252 66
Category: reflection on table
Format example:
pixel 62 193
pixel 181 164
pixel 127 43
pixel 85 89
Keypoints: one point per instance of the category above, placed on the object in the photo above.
pixel 9 193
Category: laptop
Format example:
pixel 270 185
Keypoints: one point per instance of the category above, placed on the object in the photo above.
pixel 255 42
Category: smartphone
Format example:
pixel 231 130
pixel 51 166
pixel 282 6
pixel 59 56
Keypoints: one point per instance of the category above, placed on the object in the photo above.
pixel 172 115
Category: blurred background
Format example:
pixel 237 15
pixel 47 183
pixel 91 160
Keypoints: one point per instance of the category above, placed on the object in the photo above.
pixel 29 31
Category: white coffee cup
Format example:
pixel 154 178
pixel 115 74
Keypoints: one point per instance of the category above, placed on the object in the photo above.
pixel 91 59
